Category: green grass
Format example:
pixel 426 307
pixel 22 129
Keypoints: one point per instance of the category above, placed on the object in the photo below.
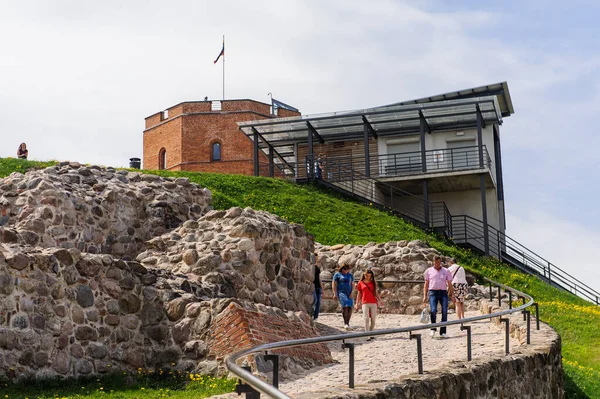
pixel 333 219
pixel 141 385
pixel 10 165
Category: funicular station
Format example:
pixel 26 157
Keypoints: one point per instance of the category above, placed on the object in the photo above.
pixel 435 161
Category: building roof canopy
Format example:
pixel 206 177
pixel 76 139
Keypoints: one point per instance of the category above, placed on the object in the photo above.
pixel 500 90
pixel 389 120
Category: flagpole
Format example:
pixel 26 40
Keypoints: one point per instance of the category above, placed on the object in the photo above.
pixel 223 68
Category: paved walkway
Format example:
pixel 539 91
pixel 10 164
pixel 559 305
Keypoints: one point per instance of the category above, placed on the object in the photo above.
pixel 388 357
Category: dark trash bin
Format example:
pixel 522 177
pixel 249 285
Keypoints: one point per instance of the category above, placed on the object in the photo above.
pixel 135 163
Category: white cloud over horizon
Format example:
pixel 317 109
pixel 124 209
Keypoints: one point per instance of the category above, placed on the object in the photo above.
pixel 77 80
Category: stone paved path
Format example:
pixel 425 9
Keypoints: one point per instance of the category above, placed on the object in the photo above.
pixel 391 356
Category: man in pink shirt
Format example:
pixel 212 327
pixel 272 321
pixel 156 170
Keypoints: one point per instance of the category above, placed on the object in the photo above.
pixel 438 285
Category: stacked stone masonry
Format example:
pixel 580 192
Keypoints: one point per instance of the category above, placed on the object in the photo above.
pixel 95 209
pixel 74 302
pixel 242 253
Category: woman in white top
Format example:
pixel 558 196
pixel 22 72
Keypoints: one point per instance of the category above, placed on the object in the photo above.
pixel 459 282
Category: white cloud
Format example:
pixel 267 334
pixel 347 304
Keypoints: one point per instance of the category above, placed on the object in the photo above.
pixel 570 246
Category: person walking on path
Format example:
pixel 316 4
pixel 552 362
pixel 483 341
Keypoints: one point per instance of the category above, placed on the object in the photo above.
pixel 459 283
pixel 438 287
pixel 368 296
pixel 22 151
pixel 318 290
pixel 343 285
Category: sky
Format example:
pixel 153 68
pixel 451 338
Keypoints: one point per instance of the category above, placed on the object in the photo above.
pixel 77 79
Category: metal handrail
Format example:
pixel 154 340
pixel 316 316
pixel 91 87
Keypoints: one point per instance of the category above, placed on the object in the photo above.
pixel 354 184
pixel 270 390
pixel 436 160
pixel 555 274
pixel 399 164
pixel 415 209
pixel 530 259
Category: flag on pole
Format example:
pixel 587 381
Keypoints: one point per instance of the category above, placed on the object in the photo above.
pixel 279 104
pixel 222 53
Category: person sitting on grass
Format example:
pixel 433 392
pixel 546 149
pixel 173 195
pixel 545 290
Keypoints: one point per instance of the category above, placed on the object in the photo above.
pixel 22 152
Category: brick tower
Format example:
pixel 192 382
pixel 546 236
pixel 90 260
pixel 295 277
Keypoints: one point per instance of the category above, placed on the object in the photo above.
pixel 203 136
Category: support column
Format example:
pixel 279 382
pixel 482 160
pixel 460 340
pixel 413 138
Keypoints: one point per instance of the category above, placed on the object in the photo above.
pixel 499 177
pixel 426 199
pixel 366 144
pixel 256 165
pixel 486 238
pixel 480 136
pixel 310 163
pixel 271 162
pixel 486 234
pixel 423 154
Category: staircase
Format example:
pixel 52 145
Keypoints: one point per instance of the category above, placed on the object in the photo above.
pixel 464 230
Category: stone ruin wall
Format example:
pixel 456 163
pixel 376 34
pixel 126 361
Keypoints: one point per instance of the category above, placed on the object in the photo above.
pixel 247 254
pixel 95 209
pixel 160 267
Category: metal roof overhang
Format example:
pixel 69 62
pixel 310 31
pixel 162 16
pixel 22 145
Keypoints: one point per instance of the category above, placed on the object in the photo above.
pixel 282 134
pixel 500 90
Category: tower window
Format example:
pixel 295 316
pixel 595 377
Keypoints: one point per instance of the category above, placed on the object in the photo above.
pixel 162 159
pixel 216 152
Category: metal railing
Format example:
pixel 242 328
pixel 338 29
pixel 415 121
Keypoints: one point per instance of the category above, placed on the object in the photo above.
pixel 386 165
pixel 399 164
pixel 255 385
pixel 468 231
pixel 428 215
pixel 441 160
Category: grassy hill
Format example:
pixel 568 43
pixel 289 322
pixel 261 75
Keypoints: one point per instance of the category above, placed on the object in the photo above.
pixel 333 219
